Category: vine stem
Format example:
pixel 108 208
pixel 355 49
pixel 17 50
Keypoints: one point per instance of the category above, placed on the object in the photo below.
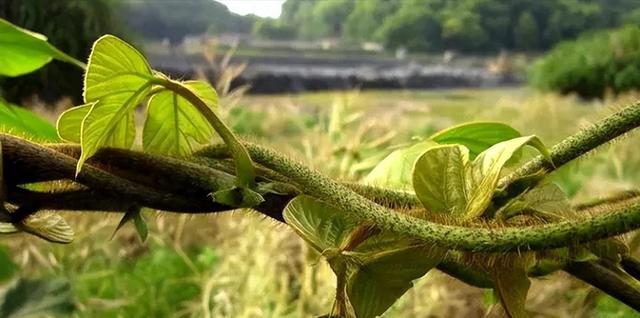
pixel 244 166
pixel 476 239
pixel 580 143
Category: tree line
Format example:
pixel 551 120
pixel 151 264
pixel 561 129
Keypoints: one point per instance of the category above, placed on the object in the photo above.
pixel 435 25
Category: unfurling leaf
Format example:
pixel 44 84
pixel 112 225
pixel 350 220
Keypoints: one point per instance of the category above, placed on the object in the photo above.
pixel 25 51
pixel 173 124
pixel 476 136
pixel 446 181
pixel 49 226
pixel 134 214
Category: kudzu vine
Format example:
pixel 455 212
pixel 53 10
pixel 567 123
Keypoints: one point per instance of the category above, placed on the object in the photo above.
pixel 442 203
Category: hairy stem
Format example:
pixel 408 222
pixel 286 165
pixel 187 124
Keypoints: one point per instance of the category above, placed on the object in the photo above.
pixel 580 143
pixel 540 237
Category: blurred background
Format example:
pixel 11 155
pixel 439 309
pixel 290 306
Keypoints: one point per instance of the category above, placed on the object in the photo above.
pixel 336 84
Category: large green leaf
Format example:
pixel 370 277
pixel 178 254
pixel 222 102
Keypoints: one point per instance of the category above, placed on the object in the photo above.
pixel 24 51
pixel 476 136
pixel 446 181
pixel 38 298
pixel 173 124
pixel 395 170
pixel 386 276
pixel 19 121
pixel 118 78
pixel 321 225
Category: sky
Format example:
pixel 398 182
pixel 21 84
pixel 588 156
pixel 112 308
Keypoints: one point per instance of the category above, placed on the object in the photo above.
pixel 263 8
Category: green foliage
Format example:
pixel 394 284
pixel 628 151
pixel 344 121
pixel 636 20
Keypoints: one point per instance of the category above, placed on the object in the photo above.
pixel 72 26
pixel 21 122
pixel 464 25
pixel 25 51
pixel 593 65
pixel 374 268
pixel 38 298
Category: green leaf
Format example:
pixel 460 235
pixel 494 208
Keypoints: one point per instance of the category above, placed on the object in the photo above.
pixel 396 169
pixel 49 226
pixel 440 181
pixel 386 276
pixel 69 123
pixel 321 225
pixel 446 182
pixel 134 214
pixel 173 124
pixel 38 298
pixel 24 51
pixel 19 121
pixel 547 201
pixel 118 78
pixel 509 273
pixel 476 136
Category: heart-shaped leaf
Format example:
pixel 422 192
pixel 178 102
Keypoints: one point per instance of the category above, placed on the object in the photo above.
pixel 25 51
pixel 476 136
pixel 173 124
pixel 117 79
pixel 446 181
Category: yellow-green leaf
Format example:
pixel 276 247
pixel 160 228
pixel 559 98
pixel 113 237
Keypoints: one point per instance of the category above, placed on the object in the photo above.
pixel 118 78
pixel 173 126
pixel 24 51
pixel 395 170
pixel 69 123
pixel 321 225
pixel 22 122
pixel 49 226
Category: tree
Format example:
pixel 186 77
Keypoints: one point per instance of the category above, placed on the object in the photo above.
pixel 526 33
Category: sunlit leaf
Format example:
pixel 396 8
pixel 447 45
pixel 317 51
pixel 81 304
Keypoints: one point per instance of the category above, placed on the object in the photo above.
pixel 49 226
pixel 118 78
pixel 386 276
pixel 396 169
pixel 38 298
pixel 446 181
pixel 476 136
pixel 173 124
pixel 24 51
pixel 19 121
pixel 69 123
pixel 321 225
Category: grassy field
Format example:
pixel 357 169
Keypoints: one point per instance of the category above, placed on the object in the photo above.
pixel 239 264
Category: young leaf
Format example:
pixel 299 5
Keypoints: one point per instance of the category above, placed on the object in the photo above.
pixel 118 78
pixel 440 181
pixel 445 181
pixel 48 226
pixel 321 225
pixel 547 201
pixel 476 136
pixel 19 121
pixel 396 169
pixel 173 124
pixel 134 213
pixel 238 197
pixel 69 123
pixel 24 51
pixel 509 273
pixel 386 276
